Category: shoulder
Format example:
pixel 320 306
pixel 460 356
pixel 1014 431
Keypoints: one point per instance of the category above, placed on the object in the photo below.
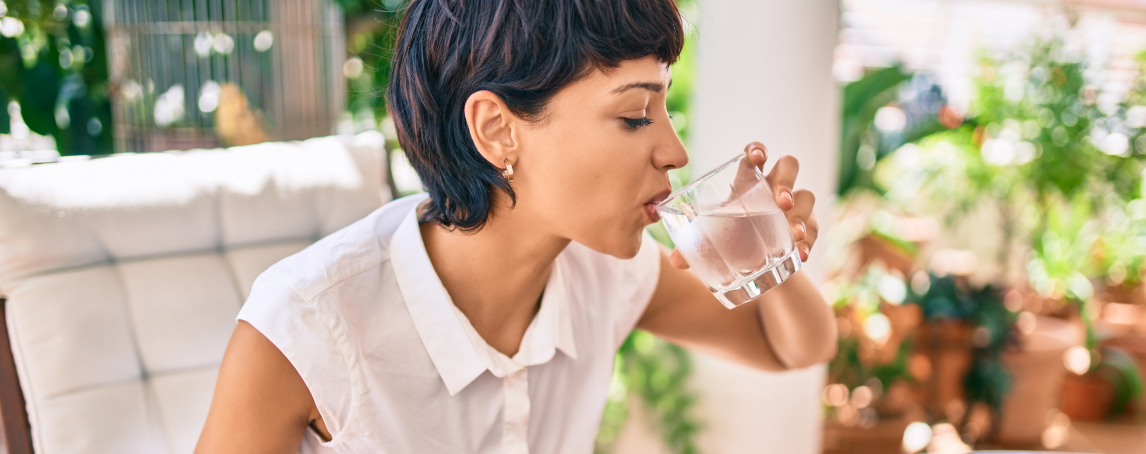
pixel 306 306
pixel 343 254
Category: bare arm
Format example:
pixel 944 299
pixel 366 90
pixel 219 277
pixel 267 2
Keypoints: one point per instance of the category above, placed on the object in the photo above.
pixel 790 326
pixel 261 404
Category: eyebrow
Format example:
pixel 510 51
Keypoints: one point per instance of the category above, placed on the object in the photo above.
pixel 650 86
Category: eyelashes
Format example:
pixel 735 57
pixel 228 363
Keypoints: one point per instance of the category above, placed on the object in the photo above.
pixel 637 123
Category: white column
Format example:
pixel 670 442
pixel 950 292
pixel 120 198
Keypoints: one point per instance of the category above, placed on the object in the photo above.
pixel 765 74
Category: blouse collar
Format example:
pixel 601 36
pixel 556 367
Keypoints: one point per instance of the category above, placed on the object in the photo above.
pixel 458 353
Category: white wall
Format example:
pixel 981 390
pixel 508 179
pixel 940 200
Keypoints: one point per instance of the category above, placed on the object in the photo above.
pixel 765 73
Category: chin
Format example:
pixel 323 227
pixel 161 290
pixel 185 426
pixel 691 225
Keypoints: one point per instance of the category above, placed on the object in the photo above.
pixel 623 246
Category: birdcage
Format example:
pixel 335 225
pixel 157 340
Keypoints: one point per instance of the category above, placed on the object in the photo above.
pixel 206 73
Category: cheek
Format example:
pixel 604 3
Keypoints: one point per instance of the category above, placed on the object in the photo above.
pixel 590 181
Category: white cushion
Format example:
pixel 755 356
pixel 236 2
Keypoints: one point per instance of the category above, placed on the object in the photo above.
pixel 124 275
pixel 105 419
pixel 182 310
pixel 71 331
pixel 181 402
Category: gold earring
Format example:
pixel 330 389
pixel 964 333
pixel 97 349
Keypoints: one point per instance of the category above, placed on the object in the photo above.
pixel 508 172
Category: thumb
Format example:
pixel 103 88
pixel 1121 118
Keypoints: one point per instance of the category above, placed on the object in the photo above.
pixel 677 261
pixel 748 173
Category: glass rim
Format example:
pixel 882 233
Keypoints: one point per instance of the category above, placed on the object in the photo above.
pixel 688 187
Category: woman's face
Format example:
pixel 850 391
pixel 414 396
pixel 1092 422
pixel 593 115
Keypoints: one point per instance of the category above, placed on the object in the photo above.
pixel 592 169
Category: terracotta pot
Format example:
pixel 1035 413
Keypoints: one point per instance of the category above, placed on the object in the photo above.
pixel 904 319
pixel 1037 373
pixel 897 401
pixel 875 248
pixel 941 357
pixel 1086 397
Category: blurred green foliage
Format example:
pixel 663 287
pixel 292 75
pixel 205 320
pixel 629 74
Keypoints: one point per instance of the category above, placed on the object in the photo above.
pixel 657 373
pixel 1085 154
pixel 1043 98
pixel 1120 369
pixel 862 99
pixel 1061 163
pixel 952 298
pixel 863 296
pixel 371 31
pixel 53 63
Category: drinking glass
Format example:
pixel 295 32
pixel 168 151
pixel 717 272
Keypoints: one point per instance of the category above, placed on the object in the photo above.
pixel 728 227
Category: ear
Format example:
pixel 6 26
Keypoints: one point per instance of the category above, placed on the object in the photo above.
pixel 492 126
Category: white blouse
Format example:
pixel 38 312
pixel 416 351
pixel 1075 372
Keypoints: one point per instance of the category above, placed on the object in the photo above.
pixel 395 367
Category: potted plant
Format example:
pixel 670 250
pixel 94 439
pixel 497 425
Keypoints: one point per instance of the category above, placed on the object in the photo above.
pixel 1100 389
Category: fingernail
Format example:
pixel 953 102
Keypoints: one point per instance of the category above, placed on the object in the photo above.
pixel 757 153
pixel 803 253
pixel 803 230
pixel 786 196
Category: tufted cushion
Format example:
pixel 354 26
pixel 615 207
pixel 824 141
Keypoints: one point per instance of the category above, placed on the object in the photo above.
pixel 124 275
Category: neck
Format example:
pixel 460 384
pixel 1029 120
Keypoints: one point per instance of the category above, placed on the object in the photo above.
pixel 496 275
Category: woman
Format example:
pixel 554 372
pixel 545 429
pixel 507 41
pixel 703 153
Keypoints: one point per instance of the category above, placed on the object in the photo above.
pixel 484 315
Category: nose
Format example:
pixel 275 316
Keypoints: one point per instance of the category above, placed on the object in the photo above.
pixel 670 152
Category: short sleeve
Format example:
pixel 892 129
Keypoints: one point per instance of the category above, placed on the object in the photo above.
pixel 312 337
pixel 638 277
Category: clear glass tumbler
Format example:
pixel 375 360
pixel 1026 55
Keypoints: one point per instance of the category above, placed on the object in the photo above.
pixel 728 227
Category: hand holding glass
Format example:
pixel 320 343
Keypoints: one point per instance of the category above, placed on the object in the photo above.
pixel 727 226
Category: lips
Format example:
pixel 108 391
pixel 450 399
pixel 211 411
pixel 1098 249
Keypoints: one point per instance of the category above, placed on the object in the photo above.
pixel 651 205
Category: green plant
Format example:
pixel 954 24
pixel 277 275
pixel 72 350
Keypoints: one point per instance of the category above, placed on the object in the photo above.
pixel 1062 261
pixel 657 373
pixel 1038 136
pixel 857 301
pixel 1120 369
pixel 53 65
pixel 1071 148
pixel 952 298
pixel 861 100
pixel 1120 250
pixel 862 143
pixel 1062 165
pixel 371 32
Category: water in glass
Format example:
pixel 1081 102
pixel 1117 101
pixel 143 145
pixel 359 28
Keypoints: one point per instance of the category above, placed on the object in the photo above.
pixel 732 233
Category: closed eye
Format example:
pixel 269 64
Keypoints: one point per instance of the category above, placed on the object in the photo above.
pixel 637 123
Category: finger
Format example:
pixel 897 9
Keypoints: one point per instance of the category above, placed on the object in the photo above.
pixel 805 251
pixel 801 212
pixel 749 170
pixel 758 153
pixel 783 179
pixel 805 246
pixel 677 261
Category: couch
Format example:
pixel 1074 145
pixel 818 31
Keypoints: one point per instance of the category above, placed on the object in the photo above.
pixel 121 276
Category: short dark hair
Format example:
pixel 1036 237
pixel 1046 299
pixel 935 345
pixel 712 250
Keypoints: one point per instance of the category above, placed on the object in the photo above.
pixel 525 51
